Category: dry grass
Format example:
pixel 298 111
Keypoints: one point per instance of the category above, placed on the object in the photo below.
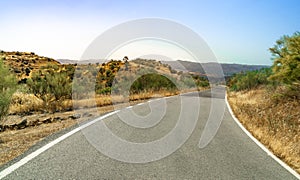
pixel 275 123
pixel 24 103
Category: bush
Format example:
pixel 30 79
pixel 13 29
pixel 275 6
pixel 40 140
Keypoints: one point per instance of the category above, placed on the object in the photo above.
pixel 105 91
pixel 8 84
pixel 250 79
pixel 152 82
pixel 82 87
pixel 51 85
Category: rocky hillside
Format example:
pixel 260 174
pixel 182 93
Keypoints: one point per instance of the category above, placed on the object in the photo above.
pixel 28 65
pixel 23 64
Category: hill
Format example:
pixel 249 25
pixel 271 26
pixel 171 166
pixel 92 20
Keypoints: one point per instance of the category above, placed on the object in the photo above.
pixel 89 61
pixel 228 69
pixel 186 66
pixel 28 65
pixel 24 64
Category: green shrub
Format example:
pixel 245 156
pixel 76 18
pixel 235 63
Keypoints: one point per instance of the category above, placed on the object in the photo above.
pixel 105 91
pixel 152 82
pixel 109 80
pixel 51 85
pixel 108 73
pixel 82 87
pixel 187 81
pixel 8 84
pixel 249 80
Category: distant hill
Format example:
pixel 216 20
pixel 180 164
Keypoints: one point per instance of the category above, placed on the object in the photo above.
pixel 90 61
pixel 186 66
pixel 194 67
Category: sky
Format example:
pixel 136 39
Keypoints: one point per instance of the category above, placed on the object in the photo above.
pixel 237 31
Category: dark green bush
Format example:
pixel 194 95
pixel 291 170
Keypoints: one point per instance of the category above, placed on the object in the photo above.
pixel 152 82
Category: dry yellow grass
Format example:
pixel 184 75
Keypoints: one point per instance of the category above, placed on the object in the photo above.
pixel 275 123
pixel 23 103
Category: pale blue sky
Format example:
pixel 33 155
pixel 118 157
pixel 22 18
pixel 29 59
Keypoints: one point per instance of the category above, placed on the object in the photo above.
pixel 237 31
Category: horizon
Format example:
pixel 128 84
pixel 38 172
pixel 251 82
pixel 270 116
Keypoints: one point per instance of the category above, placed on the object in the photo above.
pixel 162 60
pixel 105 60
pixel 237 32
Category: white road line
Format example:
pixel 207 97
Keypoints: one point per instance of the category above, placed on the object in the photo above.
pixel 288 168
pixel 34 154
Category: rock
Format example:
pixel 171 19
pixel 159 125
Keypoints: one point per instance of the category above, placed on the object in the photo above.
pixel 23 81
pixel 86 114
pixel 2 128
pixel 17 71
pixel 22 124
pixel 46 120
pixel 31 123
pixel 27 71
pixel 57 118
pixel 75 116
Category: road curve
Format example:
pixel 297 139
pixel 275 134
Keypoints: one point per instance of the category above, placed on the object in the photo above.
pixel 230 154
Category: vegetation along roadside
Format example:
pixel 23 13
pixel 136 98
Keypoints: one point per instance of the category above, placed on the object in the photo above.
pixel 267 101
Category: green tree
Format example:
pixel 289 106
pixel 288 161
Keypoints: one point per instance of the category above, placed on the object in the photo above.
pixel 286 56
pixel 8 84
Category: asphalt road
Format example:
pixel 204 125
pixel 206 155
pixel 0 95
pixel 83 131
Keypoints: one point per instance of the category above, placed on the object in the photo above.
pixel 88 154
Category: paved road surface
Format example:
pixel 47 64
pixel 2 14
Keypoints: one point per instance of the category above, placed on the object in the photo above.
pixel 230 155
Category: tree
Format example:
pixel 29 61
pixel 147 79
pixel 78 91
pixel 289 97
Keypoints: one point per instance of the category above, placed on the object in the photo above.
pixel 8 84
pixel 125 58
pixel 286 56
